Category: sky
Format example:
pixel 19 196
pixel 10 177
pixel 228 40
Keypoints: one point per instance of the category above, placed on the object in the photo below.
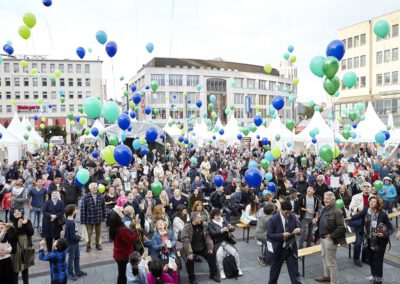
pixel 246 31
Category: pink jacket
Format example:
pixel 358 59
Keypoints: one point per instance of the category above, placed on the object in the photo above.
pixel 166 278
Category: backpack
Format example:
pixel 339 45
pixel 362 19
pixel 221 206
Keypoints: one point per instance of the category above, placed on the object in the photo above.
pixel 230 267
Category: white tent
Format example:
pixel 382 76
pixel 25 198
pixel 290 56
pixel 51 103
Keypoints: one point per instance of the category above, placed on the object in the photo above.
pixel 276 127
pixel 33 133
pixel 10 144
pixel 19 130
pixel 369 127
pixel 390 122
pixel 219 124
pixel 200 133
pixel 173 130
pixel 261 131
pixel 231 130
pixel 97 124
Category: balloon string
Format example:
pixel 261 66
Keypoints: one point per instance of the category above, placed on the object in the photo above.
pixel 48 30
pixel 113 76
pixel 136 33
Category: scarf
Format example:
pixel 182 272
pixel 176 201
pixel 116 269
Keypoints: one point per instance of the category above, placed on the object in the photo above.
pixel 17 191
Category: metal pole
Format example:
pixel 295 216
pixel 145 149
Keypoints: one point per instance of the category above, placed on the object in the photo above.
pixel 127 98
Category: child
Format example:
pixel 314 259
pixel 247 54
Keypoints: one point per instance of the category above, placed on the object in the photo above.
pixel 6 203
pixel 122 199
pixel 158 273
pixel 57 260
pixel 73 238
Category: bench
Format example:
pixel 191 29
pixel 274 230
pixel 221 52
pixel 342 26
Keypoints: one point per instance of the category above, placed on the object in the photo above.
pixel 245 227
pixel 302 253
pixel 395 215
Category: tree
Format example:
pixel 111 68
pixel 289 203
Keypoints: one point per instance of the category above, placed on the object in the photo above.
pixel 309 111
pixel 50 131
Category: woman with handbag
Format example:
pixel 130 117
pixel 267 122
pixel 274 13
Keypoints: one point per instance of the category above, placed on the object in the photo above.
pixel 221 234
pixel 24 254
pixel 53 219
pixel 377 230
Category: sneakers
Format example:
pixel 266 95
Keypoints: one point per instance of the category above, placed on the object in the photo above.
pixel 99 247
pixel 80 273
pixel 88 248
pixel 261 261
pixel 322 278
pixel 240 273
pixel 72 277
pixel 222 274
pixel 358 263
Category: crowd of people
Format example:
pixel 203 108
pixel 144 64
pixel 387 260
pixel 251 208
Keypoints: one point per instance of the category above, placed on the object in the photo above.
pixel 302 201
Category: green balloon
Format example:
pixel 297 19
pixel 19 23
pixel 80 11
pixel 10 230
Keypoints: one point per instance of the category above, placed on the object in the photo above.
pixel 316 108
pixel 92 107
pixel 29 20
pixel 156 111
pixel 210 106
pixel 113 141
pixel 87 131
pixel 331 85
pixel 245 132
pixel 156 188
pixel 316 66
pixel 126 93
pixel 291 100
pixel 330 66
pixel 290 124
pixel 24 32
pixel 346 134
pixel 193 161
pixel 26 136
pixel 349 79
pixel 70 116
pixel 325 152
pixel 80 110
pixel 111 111
pixel 277 137
pixel 352 115
pixel 264 164
pixel 381 28
pixel 378 185
pixel 339 204
pixel 83 176
pixel 303 160
pixel 154 86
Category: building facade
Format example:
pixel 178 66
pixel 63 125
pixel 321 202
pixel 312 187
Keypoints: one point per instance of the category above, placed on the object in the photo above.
pixel 21 89
pixel 182 82
pixel 376 63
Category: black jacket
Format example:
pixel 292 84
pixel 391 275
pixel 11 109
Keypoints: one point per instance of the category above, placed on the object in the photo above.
pixel 71 192
pixel 52 229
pixel 215 232
pixel 302 204
pixel 334 225
pixel 275 233
pixel 217 200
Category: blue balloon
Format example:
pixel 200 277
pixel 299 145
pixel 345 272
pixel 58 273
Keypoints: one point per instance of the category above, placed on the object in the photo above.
pixel 337 140
pixel 80 51
pixel 380 137
pixel 111 48
pixel 186 141
pixel 387 134
pixel 258 120
pixel 61 92
pixel 199 103
pixel 132 114
pixel 94 131
pixel 136 144
pixel 35 117
pixel 268 156
pixel 278 102
pixel 253 177
pixel 136 98
pixel 313 133
pixel 47 3
pixel 221 132
pixel 264 141
pixel 123 135
pixel 239 136
pixel 8 49
pixel 124 121
pixel 129 129
pixel 101 37
pixel 147 87
pixel 252 164
pixel 149 47
pixel 78 118
pixel 144 151
pixel 258 137
pixel 162 136
pixel 180 139
pixel 133 88
pixel 335 48
pixel 314 140
pixel 126 112
pixel 151 134
pixel 1 135
pixel 123 155
pixel 77 182
pixel 272 110
pixel 49 105
pixel 268 176
pixel 214 137
pixel 271 186
pixel 353 135
pixel 290 48
pixel 354 125
pixel 289 144
pixel 95 154
pixel 213 98
pixel 218 180
pixel 147 110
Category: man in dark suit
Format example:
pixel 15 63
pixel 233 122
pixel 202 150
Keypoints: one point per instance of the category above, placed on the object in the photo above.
pixel 281 231
pixel 53 173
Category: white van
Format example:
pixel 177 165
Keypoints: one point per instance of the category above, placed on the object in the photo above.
pixel 57 140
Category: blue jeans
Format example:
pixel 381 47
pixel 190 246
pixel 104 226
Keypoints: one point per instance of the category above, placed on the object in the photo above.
pixel 37 220
pixel 358 243
pixel 73 258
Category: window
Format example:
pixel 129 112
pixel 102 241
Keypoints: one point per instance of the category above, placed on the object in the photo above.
pixel 70 82
pixel 79 106
pixel 8 108
pixel 363 82
pixel 34 82
pixel 379 79
pixel 26 82
pixel 386 77
pixel 251 83
pixel 78 68
pixel 62 82
pixel 34 65
pixel 44 82
pixel 52 68
pixel 387 55
pixel 25 69
pixel 26 95
pixel 43 68
pixel 71 108
pixel 239 99
pixel 344 42
pixel 16 67
pixel 192 97
pixel 263 100
pixel 192 80
pixel 395 77
pixel 54 108
pixel 158 98
pixel 160 78
pixel 53 95
pixel 238 113
pixel 350 63
pixel 35 95
pixel 395 30
pixel 71 94
pixel 16 82
pixel 362 40
pixel 79 82
pixel 356 62
pixel 6 67
pixel 87 82
pixel 356 41
pixel 357 83
pixel 395 54
pixel 8 82
pixel 344 64
pixel 79 95
pixel 62 108
pixel 262 84
pixel 349 42
pixel 44 95
pixel 239 82
pixel 61 67
pixel 87 68
pixel 8 95
pixel 175 80
pixel 176 98
pixel 70 68
pixel 379 57
pixel 17 95
pixel 88 93
pixel 53 83
pixel 363 59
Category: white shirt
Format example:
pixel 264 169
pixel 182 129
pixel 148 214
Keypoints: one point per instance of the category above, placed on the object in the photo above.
pixel 283 221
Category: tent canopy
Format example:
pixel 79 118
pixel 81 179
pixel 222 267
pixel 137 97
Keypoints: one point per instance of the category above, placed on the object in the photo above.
pixel 369 127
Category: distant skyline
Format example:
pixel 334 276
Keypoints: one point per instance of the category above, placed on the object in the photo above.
pixel 246 31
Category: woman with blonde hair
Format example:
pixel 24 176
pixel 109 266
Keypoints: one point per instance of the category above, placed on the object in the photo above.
pixel 159 214
pixel 198 206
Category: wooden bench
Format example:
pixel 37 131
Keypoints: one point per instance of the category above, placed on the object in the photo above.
pixel 244 227
pixel 395 215
pixel 302 253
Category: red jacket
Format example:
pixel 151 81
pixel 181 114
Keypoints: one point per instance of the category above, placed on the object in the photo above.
pixel 123 243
